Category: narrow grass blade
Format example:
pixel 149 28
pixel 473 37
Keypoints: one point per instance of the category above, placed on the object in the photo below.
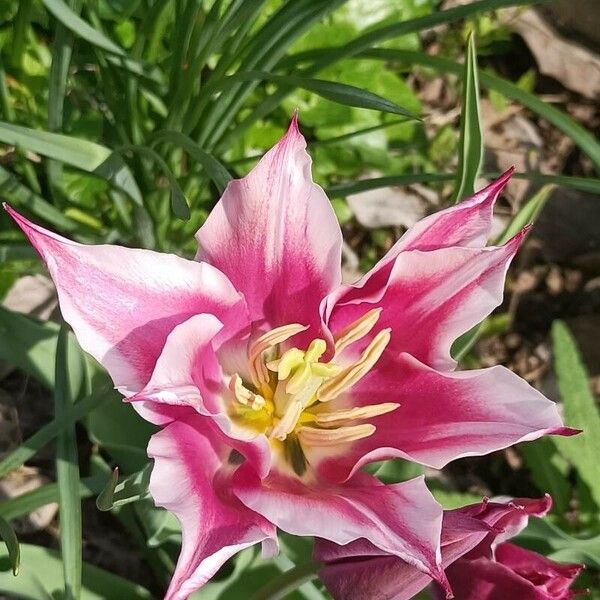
pixel 218 173
pixel 470 145
pixel 19 506
pixel 76 152
pixel 7 533
pixel 71 20
pixel 583 138
pixel 580 409
pixel 528 214
pixel 50 431
pixel 14 192
pixel 325 57
pixel 62 48
pixel 586 184
pixel 67 470
pixel 179 203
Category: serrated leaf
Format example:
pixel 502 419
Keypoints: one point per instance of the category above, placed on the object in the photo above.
pixel 580 409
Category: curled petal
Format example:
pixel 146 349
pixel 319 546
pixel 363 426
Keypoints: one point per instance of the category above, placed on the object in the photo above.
pixel 275 235
pixel 186 375
pixel 190 478
pixel 122 303
pixel 442 416
pixel 402 519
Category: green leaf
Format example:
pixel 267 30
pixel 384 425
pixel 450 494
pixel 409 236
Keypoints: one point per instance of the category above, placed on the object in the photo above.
pixel 79 27
pixel 341 93
pixel 82 154
pixel 18 506
pixel 543 536
pixel 7 533
pixel 179 204
pixel 470 145
pixel 67 468
pixel 48 432
pixel 14 192
pixel 40 578
pixel 549 472
pixel 451 500
pixel 580 409
pixel 583 138
pixel 214 169
pixel 130 489
pixel 526 215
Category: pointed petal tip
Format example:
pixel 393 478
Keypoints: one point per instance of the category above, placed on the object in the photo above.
pixel 566 431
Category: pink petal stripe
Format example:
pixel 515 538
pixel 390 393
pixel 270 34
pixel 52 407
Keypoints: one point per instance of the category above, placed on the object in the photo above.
pixel 122 303
pixel 191 479
pixel 275 235
pixel 467 224
pixel 442 416
pixel 431 298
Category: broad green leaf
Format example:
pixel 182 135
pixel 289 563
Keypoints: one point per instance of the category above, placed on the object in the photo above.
pixel 214 169
pixel 470 145
pixel 580 409
pixel 131 489
pixel 71 20
pixel 526 215
pixel 159 524
pixel 82 154
pixel 543 536
pixel 451 500
pixel 120 431
pixel 67 467
pixel 548 471
pixel 40 578
pixel 7 533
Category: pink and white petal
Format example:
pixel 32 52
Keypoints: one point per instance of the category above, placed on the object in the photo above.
pixel 190 478
pixel 467 224
pixel 432 298
pixel 402 519
pixel 442 416
pixel 187 372
pixel 122 303
pixel 275 235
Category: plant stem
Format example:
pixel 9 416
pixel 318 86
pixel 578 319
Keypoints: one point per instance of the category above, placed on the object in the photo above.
pixel 287 582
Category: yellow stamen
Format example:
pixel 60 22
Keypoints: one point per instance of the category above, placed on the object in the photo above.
pixel 265 342
pixel 333 437
pixel 245 396
pixel 352 374
pixel 360 412
pixel 357 330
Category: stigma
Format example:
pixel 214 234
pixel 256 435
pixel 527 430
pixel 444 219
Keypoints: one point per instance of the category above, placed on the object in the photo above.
pixel 289 394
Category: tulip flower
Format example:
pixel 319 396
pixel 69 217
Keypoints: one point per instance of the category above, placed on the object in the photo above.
pixel 479 562
pixel 273 383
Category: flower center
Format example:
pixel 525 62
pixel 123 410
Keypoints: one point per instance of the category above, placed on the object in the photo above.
pixel 287 397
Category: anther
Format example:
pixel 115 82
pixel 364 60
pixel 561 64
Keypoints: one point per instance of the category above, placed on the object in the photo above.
pixel 352 374
pixel 333 437
pixel 245 396
pixel 336 417
pixel 357 330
